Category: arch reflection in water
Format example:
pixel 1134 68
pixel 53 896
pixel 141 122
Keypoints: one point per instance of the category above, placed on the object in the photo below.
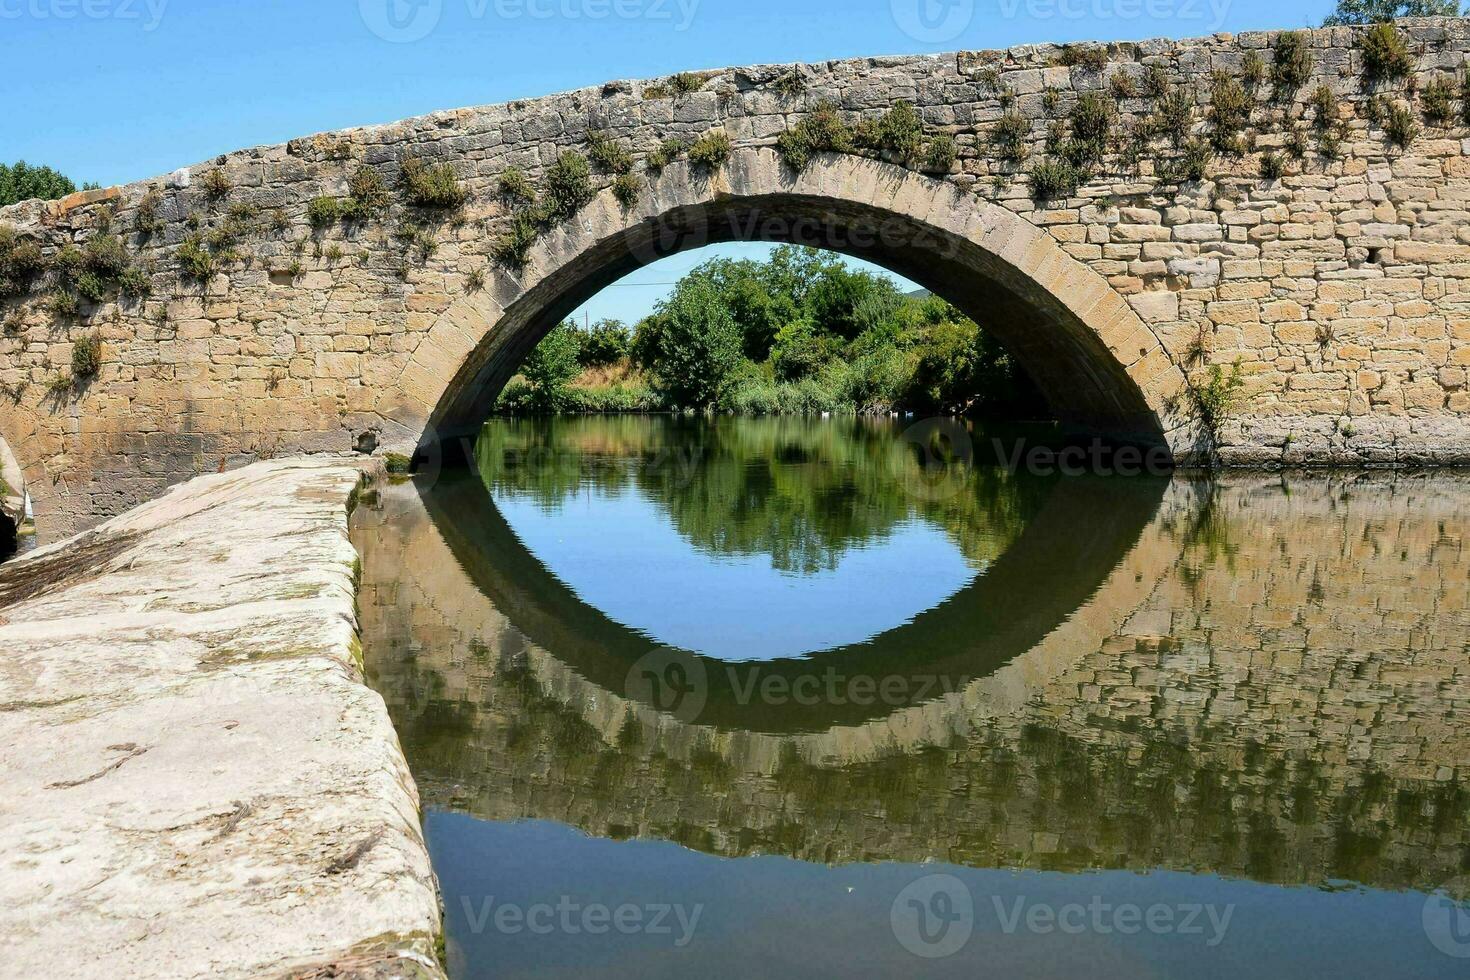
pixel 798 497
pixel 1285 707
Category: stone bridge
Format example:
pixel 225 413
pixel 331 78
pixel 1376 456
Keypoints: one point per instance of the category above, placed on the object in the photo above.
pixel 1126 218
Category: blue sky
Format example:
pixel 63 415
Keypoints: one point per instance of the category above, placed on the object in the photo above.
pixel 118 90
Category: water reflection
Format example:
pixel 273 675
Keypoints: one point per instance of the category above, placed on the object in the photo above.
pixel 1261 679
pixel 744 540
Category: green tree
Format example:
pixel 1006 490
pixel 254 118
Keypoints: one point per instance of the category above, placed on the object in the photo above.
pixel 551 365
pixel 799 350
pixel 696 345
pixel 948 358
pixel 606 343
pixel 23 182
pixel 793 270
pixel 760 305
pixel 1377 11
pixel 845 301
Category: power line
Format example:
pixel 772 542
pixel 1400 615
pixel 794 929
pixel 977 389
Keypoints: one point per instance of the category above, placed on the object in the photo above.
pixel 618 285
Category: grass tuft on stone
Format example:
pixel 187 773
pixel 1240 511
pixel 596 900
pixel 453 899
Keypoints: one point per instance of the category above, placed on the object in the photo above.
pixel 1291 66
pixel 1386 56
pixel 567 187
pixel 431 185
pixel 86 357
pixel 711 150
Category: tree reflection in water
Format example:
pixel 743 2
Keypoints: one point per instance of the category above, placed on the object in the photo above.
pixel 1261 678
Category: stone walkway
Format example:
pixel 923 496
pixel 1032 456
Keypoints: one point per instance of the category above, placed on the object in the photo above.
pixel 194 780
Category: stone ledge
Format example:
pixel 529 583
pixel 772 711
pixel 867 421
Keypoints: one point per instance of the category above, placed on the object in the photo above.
pixel 194 780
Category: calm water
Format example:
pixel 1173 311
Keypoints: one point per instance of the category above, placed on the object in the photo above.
pixel 800 698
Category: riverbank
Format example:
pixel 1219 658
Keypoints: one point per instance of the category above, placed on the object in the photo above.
pixel 194 780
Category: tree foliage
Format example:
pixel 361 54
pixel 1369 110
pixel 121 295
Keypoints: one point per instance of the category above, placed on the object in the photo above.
pixel 553 363
pixel 801 332
pixel 605 344
pixel 696 345
pixel 22 182
pixel 1378 11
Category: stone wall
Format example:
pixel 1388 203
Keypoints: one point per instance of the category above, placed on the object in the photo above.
pixel 1338 288
pixel 194 781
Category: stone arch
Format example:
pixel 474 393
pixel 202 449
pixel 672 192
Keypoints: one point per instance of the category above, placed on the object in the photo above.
pixel 1103 368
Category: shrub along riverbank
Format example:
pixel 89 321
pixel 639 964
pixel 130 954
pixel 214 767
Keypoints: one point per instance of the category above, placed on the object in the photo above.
pixel 800 333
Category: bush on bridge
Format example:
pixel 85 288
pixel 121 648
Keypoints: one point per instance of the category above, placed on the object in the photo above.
pixel 516 187
pixel 323 212
pixel 147 221
pixel 21 262
pixel 628 188
pixel 711 150
pixel 86 357
pixel 1399 125
pixel 1230 112
pixel 1291 67
pixel 608 155
pixel 1009 136
pixel 511 247
pixel 1386 56
pixel 897 135
pixel 1054 179
pixel 431 186
pixel 664 154
pixel 1439 102
pixel 216 184
pixel 568 187
pixel 821 131
pixel 201 257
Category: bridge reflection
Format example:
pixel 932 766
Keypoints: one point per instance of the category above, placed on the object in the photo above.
pixel 1282 697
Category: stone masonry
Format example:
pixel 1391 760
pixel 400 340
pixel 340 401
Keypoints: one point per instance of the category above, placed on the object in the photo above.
pixel 269 325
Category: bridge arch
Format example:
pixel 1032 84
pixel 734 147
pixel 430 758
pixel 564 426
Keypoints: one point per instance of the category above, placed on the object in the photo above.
pixel 1103 369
